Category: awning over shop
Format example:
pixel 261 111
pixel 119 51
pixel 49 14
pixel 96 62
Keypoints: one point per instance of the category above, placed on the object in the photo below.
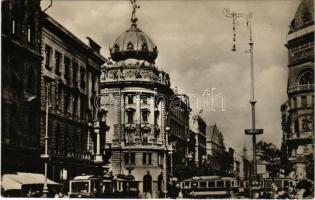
pixel 16 181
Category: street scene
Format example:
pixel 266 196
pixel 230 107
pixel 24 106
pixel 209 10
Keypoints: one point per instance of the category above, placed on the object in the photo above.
pixel 157 99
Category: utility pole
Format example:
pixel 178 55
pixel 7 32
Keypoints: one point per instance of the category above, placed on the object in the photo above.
pixel 253 131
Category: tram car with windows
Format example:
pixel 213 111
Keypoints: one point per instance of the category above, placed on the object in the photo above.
pixel 265 184
pixel 90 186
pixel 209 187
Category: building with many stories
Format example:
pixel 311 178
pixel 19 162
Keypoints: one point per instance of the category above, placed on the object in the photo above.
pixel 179 132
pixel 197 136
pixel 298 111
pixel 135 96
pixel 70 74
pixel 43 62
pixel 220 159
pixel 20 85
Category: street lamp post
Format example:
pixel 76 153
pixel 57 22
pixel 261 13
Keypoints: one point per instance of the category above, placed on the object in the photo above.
pixel 167 129
pixel 100 127
pixel 45 156
pixel 253 131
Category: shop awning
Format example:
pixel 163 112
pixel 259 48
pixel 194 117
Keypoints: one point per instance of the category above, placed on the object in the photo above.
pixel 16 181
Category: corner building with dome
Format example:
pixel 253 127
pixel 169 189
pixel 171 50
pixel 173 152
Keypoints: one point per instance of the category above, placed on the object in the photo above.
pixel 134 93
pixel 298 110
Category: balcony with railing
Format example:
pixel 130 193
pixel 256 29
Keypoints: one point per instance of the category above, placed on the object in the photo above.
pixel 301 88
pixel 301 136
pixel 142 135
pixel 132 74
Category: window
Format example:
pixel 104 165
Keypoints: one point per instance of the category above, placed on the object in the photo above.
pixel 160 159
pixel 75 105
pixel 82 108
pixel 303 101
pixel 129 46
pixel 116 47
pixel 211 184
pixel 93 83
pixel 307 78
pixel 67 102
pixel 57 61
pixel 228 184
pixel 294 102
pixel 156 117
pixel 130 158
pixel 220 184
pixel 144 46
pixel 13 26
pixel 306 15
pixel 144 159
pixel 147 158
pixel 29 33
pixel 145 116
pixel 203 184
pixel 296 126
pixel 130 116
pixel 67 68
pixel 187 183
pixel 30 79
pixel 58 97
pixel 48 51
pixel 144 100
pixel 30 30
pixel 130 99
pixel 75 73
pixel 82 77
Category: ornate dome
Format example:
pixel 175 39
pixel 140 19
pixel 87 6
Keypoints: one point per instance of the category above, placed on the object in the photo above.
pixel 304 15
pixel 134 43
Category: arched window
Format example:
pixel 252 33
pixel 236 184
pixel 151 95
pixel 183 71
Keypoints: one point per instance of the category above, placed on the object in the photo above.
pixel 116 47
pixel 147 183
pixel 130 46
pixel 306 15
pixel 307 78
pixel 144 46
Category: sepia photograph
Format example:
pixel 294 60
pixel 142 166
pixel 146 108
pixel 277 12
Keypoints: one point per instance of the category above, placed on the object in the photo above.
pixel 157 99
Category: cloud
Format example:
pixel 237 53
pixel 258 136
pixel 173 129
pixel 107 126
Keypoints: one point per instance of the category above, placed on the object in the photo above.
pixel 195 41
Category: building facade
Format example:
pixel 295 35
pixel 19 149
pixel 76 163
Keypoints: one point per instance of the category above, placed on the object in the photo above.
pixel 198 129
pixel 20 86
pixel 179 130
pixel 220 159
pixel 298 111
pixel 70 82
pixel 135 96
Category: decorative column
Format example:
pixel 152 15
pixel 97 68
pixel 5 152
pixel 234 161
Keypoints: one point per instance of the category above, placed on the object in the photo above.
pixel 138 109
pixel 118 100
pixel 122 113
pixel 152 112
pixel 197 149
pixel 164 140
pixel 98 156
pixel 122 108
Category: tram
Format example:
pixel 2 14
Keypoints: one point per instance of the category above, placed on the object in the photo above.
pixel 209 187
pixel 90 186
pixel 265 184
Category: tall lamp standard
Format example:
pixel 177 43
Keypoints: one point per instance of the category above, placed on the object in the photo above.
pixel 253 131
pixel 167 129
pixel 100 127
pixel 45 156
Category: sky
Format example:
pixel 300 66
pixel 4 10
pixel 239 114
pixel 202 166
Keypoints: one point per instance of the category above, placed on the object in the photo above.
pixel 194 39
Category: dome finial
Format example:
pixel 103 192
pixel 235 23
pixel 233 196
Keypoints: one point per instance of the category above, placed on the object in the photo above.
pixel 134 9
